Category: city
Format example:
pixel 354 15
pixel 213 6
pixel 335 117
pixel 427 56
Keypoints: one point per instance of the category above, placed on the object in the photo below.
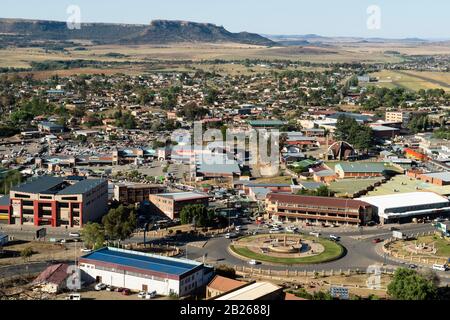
pixel 179 161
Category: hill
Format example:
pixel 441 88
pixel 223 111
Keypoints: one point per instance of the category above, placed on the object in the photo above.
pixel 158 32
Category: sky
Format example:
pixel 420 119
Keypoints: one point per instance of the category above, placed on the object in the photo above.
pixel 392 18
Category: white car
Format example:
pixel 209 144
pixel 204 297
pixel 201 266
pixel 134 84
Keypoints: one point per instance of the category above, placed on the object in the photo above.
pixel 150 295
pixel 74 235
pixel 314 234
pixel 230 236
pixel 275 231
pixel 86 250
pixel 253 262
pixel 335 238
pixel 142 294
pixel 100 286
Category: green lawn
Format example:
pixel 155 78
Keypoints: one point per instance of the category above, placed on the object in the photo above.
pixel 333 251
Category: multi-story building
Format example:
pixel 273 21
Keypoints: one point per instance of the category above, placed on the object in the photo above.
pixel 55 202
pixel 398 116
pixel 318 209
pixel 171 204
pixel 136 193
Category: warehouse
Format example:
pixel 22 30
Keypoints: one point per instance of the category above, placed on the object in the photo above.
pixel 359 170
pixel 402 208
pixel 139 271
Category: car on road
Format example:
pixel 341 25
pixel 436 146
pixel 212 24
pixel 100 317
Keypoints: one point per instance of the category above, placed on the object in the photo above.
pixel 230 236
pixel 86 250
pixel 334 237
pixel 74 235
pixel 412 266
pixel 377 240
pixel 275 230
pixel 100 286
pixel 309 224
pixel 291 229
pixel 253 262
pixel 314 234
pixel 74 297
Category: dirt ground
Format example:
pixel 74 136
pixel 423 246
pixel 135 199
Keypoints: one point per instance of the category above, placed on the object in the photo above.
pixel 42 251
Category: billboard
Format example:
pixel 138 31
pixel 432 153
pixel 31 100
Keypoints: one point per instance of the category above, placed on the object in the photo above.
pixel 41 233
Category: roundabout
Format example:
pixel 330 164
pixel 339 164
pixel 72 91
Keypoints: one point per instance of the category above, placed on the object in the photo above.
pixel 287 249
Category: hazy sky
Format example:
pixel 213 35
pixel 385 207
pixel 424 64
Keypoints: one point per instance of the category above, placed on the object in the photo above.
pixel 399 18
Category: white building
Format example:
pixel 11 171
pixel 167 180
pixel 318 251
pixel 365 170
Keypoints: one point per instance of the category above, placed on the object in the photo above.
pixel 139 271
pixel 404 207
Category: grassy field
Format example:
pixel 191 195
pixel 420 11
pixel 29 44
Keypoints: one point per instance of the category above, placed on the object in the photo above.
pixel 333 251
pixel 413 80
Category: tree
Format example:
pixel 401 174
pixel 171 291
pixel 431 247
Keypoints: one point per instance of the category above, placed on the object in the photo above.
pixel 225 271
pixel 93 235
pixel 197 212
pixel 410 285
pixel 120 222
pixel 349 130
pixel 26 253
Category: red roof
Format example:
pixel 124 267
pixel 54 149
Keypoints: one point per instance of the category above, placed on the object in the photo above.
pixel 56 274
pixel 321 201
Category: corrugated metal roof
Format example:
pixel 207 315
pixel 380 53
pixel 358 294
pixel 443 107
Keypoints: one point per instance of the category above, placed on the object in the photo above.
pixel 81 187
pixel 38 185
pixel 361 167
pixel 317 201
pixel 142 261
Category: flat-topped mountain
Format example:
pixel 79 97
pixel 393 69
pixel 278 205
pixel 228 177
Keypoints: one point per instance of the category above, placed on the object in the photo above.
pixel 157 32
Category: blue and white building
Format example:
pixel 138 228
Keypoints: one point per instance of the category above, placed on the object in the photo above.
pixel 139 271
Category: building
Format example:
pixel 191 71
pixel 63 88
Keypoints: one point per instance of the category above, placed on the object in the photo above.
pixel 255 291
pixel 136 193
pixel 385 132
pixel 171 204
pixel 4 239
pixel 139 271
pixel 50 127
pixel 266 124
pixel 359 170
pixel 318 209
pixel 55 202
pixel 5 208
pixel 220 285
pixel 436 178
pixel 401 208
pixel 398 116
pixel 415 155
pixel 53 279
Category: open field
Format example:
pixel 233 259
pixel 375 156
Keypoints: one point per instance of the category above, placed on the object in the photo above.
pixel 21 57
pixel 413 80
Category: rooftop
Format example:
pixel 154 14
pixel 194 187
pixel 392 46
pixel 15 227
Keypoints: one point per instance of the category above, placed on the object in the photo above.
pixel 444 176
pixel 142 261
pixel 404 200
pixel 225 284
pixel 38 185
pixel 317 201
pixel 183 196
pixel 82 186
pixel 361 167
pixel 251 292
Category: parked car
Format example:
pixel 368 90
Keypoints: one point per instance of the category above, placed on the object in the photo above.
pixel 142 294
pixel 86 250
pixel 74 296
pixel 74 235
pixel 110 288
pixel 440 267
pixel 100 286
pixel 126 292
pixel 412 266
pixel 272 231
pixel 315 234
pixel 151 295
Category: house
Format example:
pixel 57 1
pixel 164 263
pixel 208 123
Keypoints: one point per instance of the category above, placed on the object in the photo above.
pixel 50 127
pixel 53 279
pixel 220 285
